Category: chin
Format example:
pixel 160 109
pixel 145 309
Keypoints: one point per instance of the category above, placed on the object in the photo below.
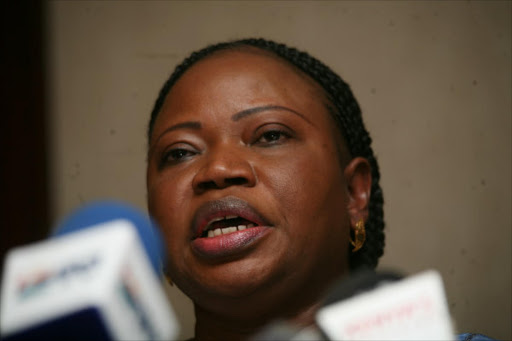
pixel 234 281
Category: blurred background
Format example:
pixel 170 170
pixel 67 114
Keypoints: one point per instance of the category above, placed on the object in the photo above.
pixel 433 78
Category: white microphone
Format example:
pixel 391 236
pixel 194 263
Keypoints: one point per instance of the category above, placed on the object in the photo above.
pixel 386 308
pixel 96 279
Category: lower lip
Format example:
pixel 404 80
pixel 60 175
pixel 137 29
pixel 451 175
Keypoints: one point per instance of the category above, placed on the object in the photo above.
pixel 229 244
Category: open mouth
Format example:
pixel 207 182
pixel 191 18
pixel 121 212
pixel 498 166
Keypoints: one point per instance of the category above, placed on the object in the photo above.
pixel 228 215
pixel 226 225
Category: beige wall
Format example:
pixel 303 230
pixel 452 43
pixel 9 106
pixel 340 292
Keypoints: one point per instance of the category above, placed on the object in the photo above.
pixel 433 79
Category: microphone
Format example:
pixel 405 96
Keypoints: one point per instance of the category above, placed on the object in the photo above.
pixel 375 306
pixel 95 278
pixel 382 306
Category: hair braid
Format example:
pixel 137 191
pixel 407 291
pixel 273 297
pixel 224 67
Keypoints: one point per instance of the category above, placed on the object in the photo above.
pixel 345 111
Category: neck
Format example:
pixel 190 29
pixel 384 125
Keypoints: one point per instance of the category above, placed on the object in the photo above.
pixel 212 326
pixel 294 300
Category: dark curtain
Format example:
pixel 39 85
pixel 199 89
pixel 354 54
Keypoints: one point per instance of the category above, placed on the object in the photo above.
pixel 23 167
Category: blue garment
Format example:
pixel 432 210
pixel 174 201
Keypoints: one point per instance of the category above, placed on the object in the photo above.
pixel 473 337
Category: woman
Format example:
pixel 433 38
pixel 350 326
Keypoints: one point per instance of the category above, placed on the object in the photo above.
pixel 262 178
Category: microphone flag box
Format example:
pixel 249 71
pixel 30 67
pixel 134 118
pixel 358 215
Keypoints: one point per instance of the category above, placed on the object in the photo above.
pixel 414 308
pixel 96 283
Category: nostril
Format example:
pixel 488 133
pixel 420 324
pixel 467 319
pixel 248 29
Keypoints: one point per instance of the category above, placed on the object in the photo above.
pixel 206 185
pixel 236 181
pixel 219 173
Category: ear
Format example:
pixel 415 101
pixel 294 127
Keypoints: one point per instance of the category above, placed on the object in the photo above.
pixel 359 182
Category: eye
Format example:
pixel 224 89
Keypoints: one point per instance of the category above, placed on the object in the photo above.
pixel 177 155
pixel 272 137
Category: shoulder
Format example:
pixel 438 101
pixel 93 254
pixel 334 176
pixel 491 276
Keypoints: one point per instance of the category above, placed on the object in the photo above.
pixel 473 337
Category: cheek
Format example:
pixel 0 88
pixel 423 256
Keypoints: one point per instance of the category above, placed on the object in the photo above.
pixel 166 202
pixel 311 191
pixel 314 200
pixel 310 182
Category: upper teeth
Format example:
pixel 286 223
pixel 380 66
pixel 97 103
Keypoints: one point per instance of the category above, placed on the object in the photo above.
pixel 227 230
pixel 221 218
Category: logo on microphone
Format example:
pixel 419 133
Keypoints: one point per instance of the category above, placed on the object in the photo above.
pixel 405 313
pixel 33 283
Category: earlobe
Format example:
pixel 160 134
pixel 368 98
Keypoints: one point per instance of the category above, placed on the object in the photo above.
pixel 359 182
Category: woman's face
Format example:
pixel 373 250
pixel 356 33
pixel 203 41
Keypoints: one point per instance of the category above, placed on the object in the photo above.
pixel 245 178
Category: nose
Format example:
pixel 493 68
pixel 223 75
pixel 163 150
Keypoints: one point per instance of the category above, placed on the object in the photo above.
pixel 223 168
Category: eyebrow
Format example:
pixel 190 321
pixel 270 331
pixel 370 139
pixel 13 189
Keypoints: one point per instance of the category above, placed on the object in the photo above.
pixel 244 113
pixel 183 125
pixel 236 117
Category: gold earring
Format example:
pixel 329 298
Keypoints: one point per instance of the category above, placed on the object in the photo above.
pixel 169 280
pixel 360 236
pixel 167 277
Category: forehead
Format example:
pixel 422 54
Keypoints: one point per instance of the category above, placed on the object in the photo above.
pixel 246 74
pixel 248 58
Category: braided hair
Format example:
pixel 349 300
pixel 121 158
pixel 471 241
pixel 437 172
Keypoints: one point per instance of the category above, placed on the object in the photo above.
pixel 345 111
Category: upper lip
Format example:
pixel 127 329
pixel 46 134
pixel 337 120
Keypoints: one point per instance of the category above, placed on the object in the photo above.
pixel 227 206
